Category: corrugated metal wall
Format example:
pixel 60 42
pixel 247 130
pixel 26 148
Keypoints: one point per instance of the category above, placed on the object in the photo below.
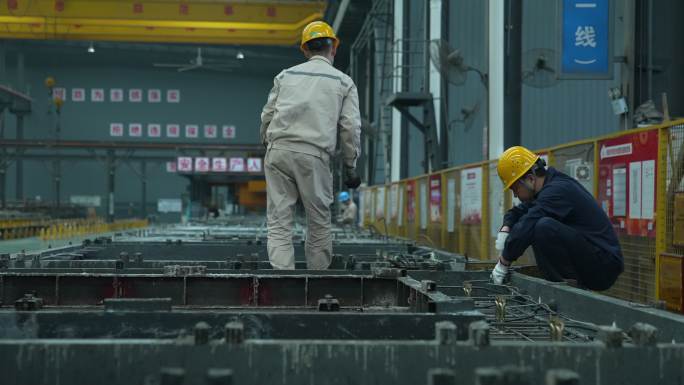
pixel 572 109
pixel 467 31
pixel 567 111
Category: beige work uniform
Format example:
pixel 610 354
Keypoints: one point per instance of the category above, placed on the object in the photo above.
pixel 309 107
pixel 349 214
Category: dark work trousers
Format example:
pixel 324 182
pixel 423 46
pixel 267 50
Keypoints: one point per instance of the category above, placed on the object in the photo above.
pixel 562 252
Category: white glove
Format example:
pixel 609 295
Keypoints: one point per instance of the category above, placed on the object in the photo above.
pixel 499 273
pixel 501 240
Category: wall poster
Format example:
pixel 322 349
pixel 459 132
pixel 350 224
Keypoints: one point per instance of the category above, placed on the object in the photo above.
pixel 471 196
pixel 435 198
pixel 627 182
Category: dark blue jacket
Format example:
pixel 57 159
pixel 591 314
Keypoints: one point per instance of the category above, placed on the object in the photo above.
pixel 565 200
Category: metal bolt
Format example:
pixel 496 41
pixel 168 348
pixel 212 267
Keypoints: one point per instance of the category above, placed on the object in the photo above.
pixel 29 302
pixel 644 334
pixel 562 377
pixel 445 332
pixel 428 285
pixel 441 376
pixel 556 326
pixel 516 375
pixel 202 333
pixel 467 288
pixel 328 303
pixel 219 376
pixel 500 303
pixel 172 376
pixel 488 376
pixel 124 257
pixel 234 332
pixel 506 375
pixel 610 335
pixel 19 261
pixel 478 333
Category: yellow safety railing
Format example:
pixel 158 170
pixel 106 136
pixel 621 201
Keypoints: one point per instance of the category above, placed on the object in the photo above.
pixel 461 209
pixel 13 228
pixel 79 227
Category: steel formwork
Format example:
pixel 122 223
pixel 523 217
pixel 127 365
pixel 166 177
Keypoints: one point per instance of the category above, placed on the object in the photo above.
pixel 386 312
pixel 147 361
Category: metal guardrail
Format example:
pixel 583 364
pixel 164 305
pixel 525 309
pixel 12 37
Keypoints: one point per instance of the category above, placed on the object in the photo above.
pixel 460 209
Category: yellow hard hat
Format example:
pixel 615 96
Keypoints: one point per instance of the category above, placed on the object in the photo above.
pixel 49 82
pixel 317 30
pixel 514 163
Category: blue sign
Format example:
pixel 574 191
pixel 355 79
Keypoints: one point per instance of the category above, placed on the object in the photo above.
pixel 585 38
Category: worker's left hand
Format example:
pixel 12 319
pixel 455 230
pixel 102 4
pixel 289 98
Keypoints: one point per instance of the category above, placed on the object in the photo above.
pixel 499 273
pixel 351 180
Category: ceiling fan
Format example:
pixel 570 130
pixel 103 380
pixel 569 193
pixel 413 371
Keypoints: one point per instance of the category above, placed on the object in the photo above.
pixel 199 62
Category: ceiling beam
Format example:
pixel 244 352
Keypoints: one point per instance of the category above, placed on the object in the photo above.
pixel 215 22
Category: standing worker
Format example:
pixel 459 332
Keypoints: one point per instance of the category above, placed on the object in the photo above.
pixel 570 234
pixel 349 209
pixel 309 107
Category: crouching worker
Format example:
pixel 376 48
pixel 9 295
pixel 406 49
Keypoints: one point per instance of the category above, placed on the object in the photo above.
pixel 349 210
pixel 570 234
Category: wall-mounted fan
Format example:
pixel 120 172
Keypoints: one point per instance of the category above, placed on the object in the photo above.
pixel 540 68
pixel 450 63
pixel 468 115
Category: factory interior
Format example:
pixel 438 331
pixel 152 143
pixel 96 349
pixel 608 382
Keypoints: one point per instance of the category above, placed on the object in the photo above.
pixel 477 192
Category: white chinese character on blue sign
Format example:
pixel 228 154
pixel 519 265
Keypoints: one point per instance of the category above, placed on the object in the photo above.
pixel 586 43
pixel 585 36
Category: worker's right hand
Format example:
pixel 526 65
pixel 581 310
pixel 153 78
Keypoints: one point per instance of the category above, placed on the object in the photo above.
pixel 501 240
pixel 351 180
pixel 499 273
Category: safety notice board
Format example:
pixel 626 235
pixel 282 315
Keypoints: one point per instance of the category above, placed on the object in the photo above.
pixel 627 182
pixel 435 198
pixel 411 201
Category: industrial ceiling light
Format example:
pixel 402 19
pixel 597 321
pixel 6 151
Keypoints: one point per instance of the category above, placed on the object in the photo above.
pixel 91 48
pixel 240 55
